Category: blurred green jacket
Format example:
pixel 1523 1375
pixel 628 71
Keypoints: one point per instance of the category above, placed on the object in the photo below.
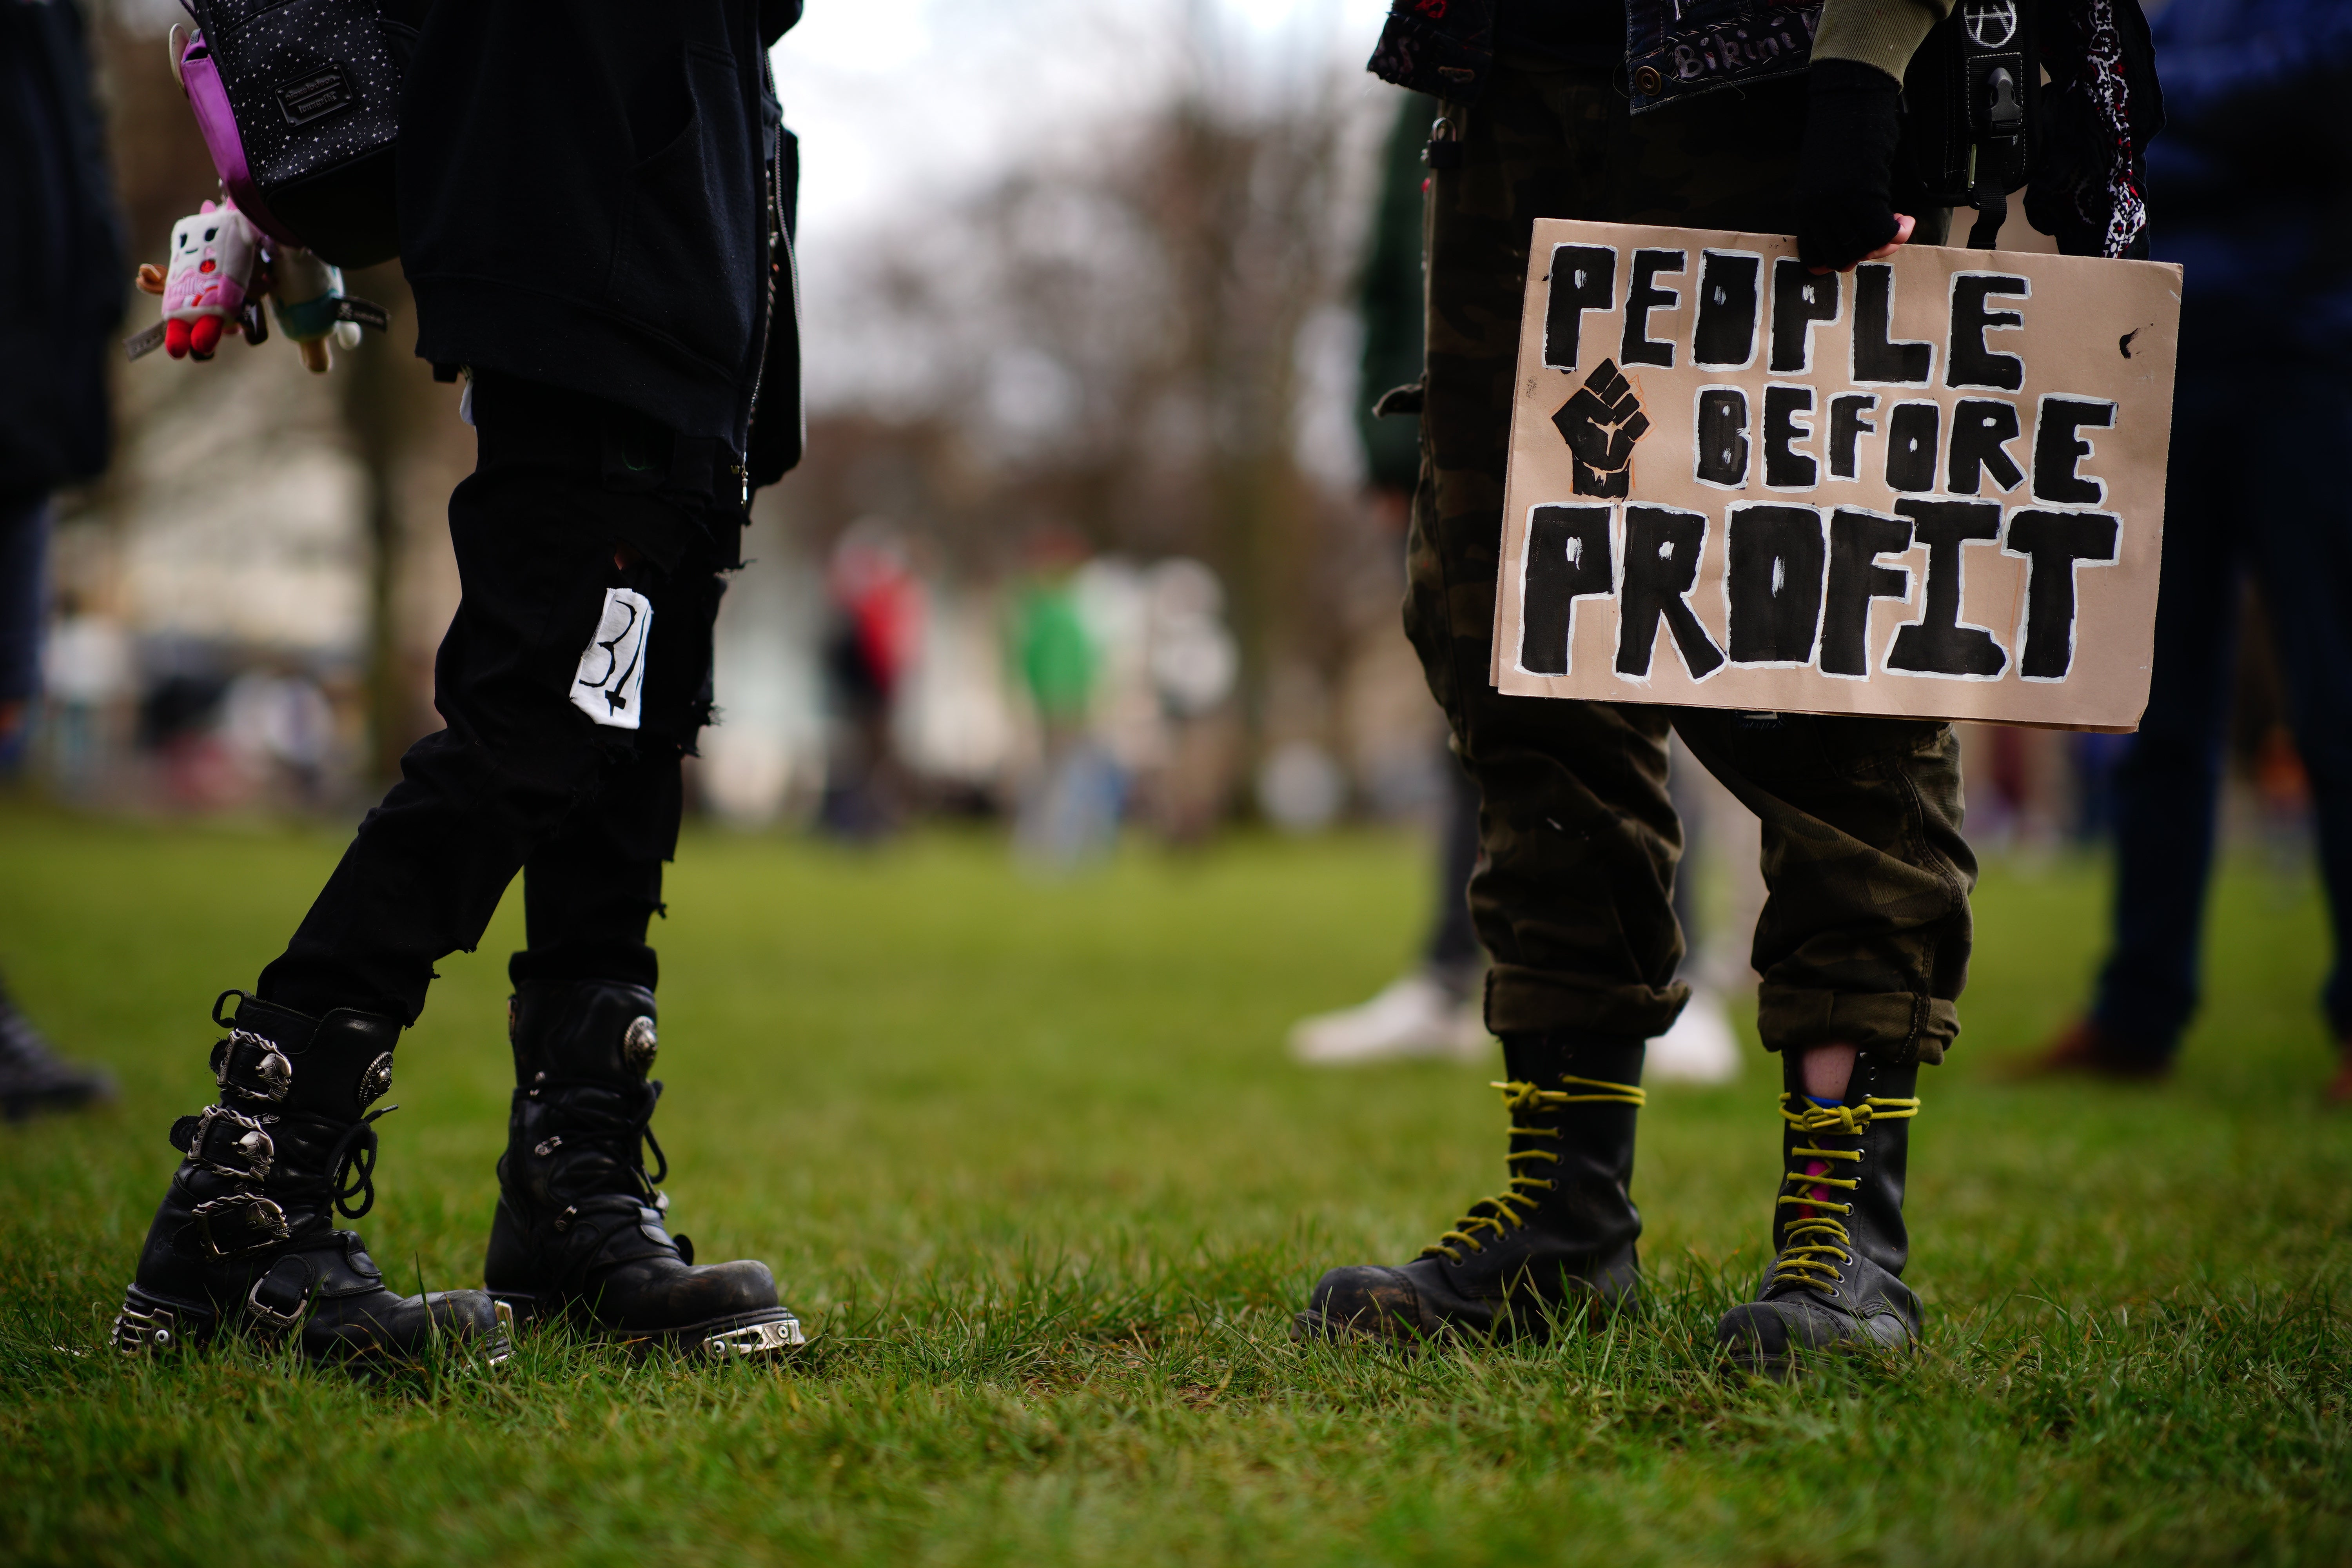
pixel 1054 651
pixel 1389 299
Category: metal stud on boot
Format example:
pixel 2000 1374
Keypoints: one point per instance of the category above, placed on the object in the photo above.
pixel 579 1228
pixel 1558 1242
pixel 246 1236
pixel 1834 1283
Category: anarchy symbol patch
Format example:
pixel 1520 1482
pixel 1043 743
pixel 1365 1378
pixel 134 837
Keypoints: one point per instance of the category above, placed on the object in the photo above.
pixel 1991 24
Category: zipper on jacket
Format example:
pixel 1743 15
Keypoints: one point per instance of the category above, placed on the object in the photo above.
pixel 774 179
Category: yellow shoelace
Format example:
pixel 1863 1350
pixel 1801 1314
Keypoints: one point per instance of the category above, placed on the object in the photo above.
pixel 1817 1245
pixel 1501 1214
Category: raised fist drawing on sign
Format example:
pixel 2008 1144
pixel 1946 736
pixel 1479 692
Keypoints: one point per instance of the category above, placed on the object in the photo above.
pixel 1601 423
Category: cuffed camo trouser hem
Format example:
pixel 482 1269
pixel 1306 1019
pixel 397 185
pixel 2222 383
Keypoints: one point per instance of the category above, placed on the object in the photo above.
pixel 1864 938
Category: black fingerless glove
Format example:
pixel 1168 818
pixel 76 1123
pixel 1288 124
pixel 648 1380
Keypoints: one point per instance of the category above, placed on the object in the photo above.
pixel 1851 127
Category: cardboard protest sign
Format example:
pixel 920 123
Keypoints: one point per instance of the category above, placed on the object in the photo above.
pixel 1931 487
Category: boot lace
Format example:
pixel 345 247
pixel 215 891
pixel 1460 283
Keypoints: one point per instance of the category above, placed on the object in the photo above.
pixel 1509 1210
pixel 622 1136
pixel 1818 1248
pixel 347 1172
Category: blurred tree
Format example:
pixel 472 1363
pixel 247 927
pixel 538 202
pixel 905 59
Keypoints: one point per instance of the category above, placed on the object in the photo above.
pixel 397 417
pixel 1112 339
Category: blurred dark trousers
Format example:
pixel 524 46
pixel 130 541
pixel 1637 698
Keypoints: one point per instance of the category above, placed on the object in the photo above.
pixel 24 557
pixel 1453 952
pixel 1865 939
pixel 521 780
pixel 2252 487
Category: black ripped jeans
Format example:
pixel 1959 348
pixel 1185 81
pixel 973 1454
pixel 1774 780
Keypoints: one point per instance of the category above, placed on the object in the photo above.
pixel 522 779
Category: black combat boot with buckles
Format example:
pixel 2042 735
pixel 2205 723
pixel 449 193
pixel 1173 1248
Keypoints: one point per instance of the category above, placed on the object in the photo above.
pixel 247 1232
pixel 1558 1243
pixel 1839 1245
pixel 580 1228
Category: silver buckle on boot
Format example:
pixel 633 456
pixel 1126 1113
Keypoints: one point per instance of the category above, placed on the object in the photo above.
pixel 755 1340
pixel 268 1316
pixel 135 1331
pixel 232 1144
pixel 253 1066
pixel 262 1222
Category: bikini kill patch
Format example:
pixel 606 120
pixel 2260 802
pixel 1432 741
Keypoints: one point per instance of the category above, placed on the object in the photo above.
pixel 613 668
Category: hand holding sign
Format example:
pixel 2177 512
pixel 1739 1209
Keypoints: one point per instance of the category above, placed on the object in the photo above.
pixel 1853 125
pixel 1601 423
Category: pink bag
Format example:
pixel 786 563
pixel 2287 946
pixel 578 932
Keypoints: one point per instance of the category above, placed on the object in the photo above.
pixel 298 103
pixel 210 102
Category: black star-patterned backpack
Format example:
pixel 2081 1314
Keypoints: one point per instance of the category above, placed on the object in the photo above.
pixel 299 102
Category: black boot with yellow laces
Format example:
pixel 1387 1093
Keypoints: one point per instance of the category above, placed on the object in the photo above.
pixel 1834 1283
pixel 1556 1242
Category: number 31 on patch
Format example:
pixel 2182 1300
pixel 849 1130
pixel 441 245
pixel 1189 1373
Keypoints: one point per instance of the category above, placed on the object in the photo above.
pixel 613 668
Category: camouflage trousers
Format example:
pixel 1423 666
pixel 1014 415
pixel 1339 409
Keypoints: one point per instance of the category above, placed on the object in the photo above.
pixel 1864 935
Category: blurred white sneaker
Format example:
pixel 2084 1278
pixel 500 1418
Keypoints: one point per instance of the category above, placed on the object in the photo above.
pixel 1699 1049
pixel 1415 1016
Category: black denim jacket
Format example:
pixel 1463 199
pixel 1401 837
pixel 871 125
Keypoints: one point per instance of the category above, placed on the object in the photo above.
pixel 1673 48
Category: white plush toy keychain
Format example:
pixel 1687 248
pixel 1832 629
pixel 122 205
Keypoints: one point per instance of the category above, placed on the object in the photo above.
pixel 220 270
pixel 215 254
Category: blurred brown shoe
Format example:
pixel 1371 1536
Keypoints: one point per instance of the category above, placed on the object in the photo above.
pixel 2088 1051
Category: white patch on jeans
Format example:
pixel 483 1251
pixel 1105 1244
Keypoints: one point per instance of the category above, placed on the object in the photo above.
pixel 612 668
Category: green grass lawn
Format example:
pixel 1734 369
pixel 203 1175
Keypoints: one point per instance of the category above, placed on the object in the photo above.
pixel 1029 1161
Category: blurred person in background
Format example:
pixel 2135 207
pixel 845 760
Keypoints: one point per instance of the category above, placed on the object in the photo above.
pixel 1699 1045
pixel 61 269
pixel 1191 663
pixel 877 634
pixel 281 726
pixel 2255 175
pixel 88 667
pixel 1433 1008
pixel 592 221
pixel 1069 810
pixel 1864 942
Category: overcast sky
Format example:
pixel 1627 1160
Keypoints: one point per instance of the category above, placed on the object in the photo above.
pixel 897 99
pixel 900 104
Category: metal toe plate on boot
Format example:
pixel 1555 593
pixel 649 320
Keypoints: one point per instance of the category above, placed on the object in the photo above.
pixel 739 1336
pixel 753 1341
pixel 498 1348
pixel 495 1352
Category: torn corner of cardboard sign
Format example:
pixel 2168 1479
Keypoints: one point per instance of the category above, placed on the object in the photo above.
pixel 1933 487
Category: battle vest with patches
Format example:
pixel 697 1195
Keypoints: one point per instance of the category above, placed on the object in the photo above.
pixel 1673 48
pixel 1980 119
